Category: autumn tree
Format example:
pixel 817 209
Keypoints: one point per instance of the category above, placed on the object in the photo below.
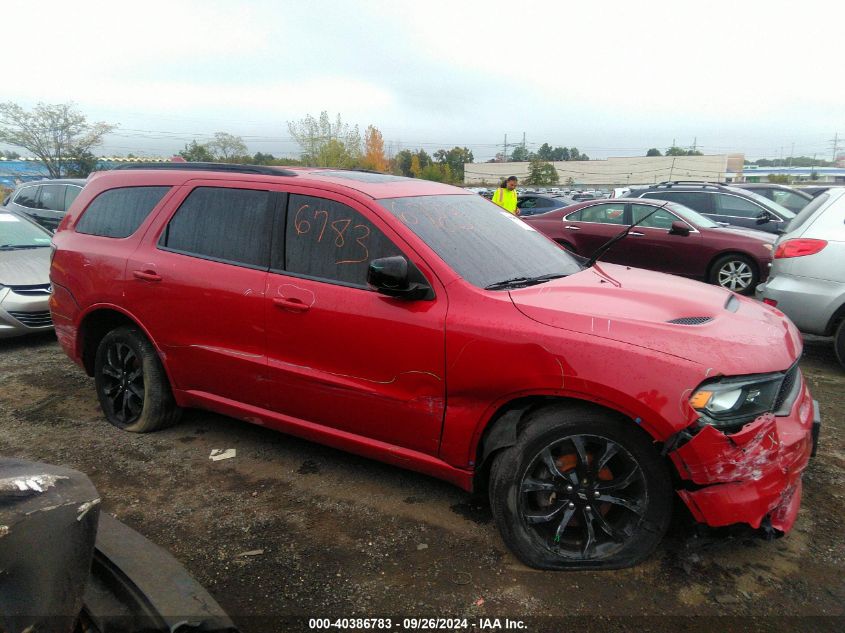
pixel 416 168
pixel 57 134
pixel 374 157
pixel 404 161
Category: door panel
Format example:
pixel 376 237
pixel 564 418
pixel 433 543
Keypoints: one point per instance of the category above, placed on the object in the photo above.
pixel 651 246
pixel 342 355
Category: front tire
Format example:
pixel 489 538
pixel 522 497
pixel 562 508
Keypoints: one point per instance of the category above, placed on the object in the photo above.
pixel 736 273
pixel 839 342
pixel 131 384
pixel 581 489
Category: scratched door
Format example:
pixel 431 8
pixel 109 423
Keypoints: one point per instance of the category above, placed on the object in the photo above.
pixel 339 353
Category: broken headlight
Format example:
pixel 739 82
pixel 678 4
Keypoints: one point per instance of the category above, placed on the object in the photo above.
pixel 734 401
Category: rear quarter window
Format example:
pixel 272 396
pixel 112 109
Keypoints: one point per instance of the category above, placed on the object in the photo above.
pixel 119 212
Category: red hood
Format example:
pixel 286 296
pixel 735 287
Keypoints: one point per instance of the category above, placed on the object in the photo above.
pixel 633 306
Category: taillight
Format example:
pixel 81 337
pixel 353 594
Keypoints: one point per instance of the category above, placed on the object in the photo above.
pixel 799 248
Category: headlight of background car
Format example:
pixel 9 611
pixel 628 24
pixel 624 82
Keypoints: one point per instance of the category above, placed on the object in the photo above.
pixel 736 401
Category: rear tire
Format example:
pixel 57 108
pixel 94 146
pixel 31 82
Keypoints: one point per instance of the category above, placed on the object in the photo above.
pixel 131 384
pixel 582 488
pixel 736 273
pixel 839 342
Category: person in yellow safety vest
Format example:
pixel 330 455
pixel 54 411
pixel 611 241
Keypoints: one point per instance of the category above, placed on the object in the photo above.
pixel 505 196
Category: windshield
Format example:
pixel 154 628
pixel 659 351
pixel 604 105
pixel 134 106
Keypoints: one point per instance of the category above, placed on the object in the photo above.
pixel 482 243
pixel 782 211
pixel 693 216
pixel 18 233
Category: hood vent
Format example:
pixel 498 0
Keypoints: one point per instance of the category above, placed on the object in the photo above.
pixel 698 320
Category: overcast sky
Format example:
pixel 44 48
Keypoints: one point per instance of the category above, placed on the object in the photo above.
pixel 611 78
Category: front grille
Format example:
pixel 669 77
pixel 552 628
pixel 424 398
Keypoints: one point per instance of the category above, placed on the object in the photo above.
pixel 786 387
pixel 32 291
pixel 699 320
pixel 33 319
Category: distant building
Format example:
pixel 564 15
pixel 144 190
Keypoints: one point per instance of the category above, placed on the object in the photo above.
pixel 616 171
pixel 821 175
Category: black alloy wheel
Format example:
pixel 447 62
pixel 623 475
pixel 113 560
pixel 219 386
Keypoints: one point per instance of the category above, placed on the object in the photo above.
pixel 582 488
pixel 123 382
pixel 582 497
pixel 131 383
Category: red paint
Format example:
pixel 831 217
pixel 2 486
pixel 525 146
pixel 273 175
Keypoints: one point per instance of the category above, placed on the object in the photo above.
pixel 416 384
pixel 799 248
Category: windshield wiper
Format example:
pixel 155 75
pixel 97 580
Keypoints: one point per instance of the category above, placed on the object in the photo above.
pixel 517 282
pixel 16 247
pixel 601 250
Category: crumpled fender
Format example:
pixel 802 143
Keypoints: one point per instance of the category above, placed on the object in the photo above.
pixel 712 457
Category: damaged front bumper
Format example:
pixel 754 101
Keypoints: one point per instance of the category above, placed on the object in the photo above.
pixel 752 476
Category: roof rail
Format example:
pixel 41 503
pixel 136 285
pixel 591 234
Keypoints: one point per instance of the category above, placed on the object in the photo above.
pixel 682 183
pixel 224 167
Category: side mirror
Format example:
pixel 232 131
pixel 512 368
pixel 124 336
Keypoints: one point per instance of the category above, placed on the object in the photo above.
pixel 391 276
pixel 679 228
pixel 764 217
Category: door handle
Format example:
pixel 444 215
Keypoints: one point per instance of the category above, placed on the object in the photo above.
pixel 573 228
pixel 292 305
pixel 146 275
pixel 636 234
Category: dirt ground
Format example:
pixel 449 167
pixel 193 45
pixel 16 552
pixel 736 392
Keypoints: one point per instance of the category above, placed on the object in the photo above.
pixel 290 528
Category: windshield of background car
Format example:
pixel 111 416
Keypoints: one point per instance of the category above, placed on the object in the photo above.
pixel 782 211
pixel 15 232
pixel 693 216
pixel 481 242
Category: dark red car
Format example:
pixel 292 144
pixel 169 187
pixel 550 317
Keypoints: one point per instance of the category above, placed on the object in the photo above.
pixel 419 324
pixel 675 239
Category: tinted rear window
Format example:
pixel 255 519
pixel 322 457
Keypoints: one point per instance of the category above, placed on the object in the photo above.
pixel 229 225
pixel 119 212
pixel 806 212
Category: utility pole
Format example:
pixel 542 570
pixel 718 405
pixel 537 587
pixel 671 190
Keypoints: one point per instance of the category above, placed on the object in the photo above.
pixel 791 154
pixel 835 146
pixel 694 143
pixel 505 150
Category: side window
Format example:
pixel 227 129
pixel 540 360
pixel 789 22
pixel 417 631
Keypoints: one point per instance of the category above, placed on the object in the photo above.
pixel 662 219
pixel 695 200
pixel 119 212
pixel 791 201
pixel 71 193
pixel 230 225
pixel 574 217
pixel 331 241
pixel 613 213
pixel 52 197
pixel 27 197
pixel 527 203
pixel 727 204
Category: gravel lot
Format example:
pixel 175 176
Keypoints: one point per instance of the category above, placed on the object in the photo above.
pixel 289 528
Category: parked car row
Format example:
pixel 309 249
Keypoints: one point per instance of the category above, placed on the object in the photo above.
pixel 45 201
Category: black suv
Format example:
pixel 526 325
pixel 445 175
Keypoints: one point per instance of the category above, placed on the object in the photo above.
pixel 720 203
pixel 45 201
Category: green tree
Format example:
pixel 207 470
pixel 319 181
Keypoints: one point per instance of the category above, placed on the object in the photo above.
pixel 545 152
pixel 519 154
pixel 780 179
pixel 454 159
pixel 196 153
pixel 80 163
pixel 574 154
pixel 57 134
pixel 323 142
pixel 10 155
pixel 541 173
pixel 260 158
pixel 227 148
pixel 653 152
pixel 560 153
pixel 680 151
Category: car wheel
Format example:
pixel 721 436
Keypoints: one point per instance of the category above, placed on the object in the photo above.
pixel 736 273
pixel 581 488
pixel 131 384
pixel 839 342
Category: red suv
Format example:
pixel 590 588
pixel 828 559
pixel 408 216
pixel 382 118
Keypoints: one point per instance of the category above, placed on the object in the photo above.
pixel 421 325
